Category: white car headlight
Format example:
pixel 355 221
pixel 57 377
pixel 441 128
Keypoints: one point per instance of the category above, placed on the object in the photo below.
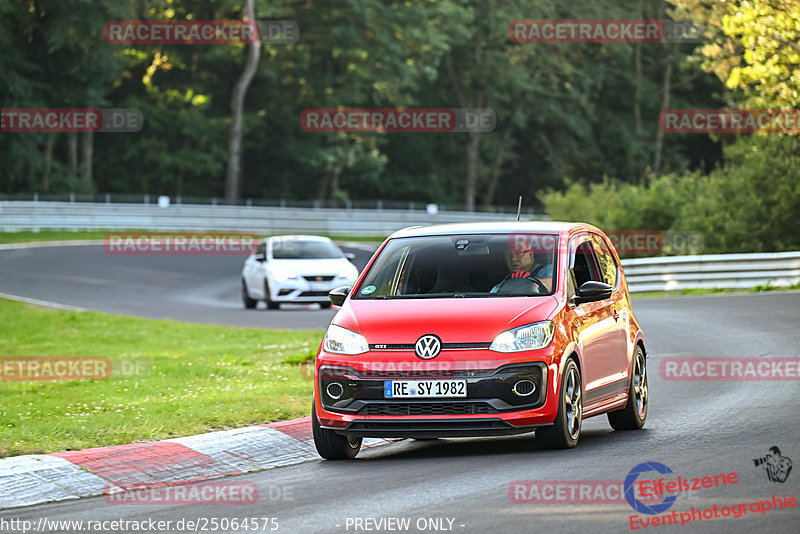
pixel 343 341
pixel 281 276
pixel 528 337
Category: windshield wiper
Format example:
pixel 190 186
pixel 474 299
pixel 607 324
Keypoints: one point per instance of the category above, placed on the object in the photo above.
pixel 433 296
pixel 394 297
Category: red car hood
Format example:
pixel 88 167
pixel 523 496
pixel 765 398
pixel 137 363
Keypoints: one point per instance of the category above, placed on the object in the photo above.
pixel 458 320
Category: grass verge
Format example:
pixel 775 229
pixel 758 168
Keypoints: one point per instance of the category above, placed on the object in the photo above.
pixel 168 379
pixel 699 291
pixel 66 235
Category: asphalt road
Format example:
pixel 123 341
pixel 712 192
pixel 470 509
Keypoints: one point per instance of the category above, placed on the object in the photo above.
pixel 198 289
pixel 697 428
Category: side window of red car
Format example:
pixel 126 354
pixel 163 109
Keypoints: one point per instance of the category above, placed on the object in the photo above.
pixel 583 263
pixel 608 267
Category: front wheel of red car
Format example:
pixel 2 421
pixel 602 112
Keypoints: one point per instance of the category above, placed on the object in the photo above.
pixel 566 431
pixel 633 416
pixel 331 445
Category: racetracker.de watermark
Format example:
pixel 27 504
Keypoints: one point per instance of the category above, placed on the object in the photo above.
pixel 730 369
pixel 646 492
pixel 54 368
pixel 186 244
pixel 637 241
pixel 570 492
pixel 603 31
pixel 195 493
pixel 18 120
pixel 145 525
pixel 521 242
pixel 390 120
pixel 729 121
pixel 201 32
pixel 652 242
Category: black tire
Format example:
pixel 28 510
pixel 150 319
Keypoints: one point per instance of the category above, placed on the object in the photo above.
pixel 325 305
pixel 271 304
pixel 566 430
pixel 331 445
pixel 633 416
pixel 249 303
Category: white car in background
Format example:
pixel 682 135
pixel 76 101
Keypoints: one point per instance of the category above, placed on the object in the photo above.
pixel 295 269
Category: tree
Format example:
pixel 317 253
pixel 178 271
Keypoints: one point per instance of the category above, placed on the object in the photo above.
pixel 234 172
pixel 753 46
pixel 52 55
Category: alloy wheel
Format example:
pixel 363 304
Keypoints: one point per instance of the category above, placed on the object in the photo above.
pixel 572 398
pixel 640 385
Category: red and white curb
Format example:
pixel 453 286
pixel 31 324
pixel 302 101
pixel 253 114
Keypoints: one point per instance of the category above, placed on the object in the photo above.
pixel 38 478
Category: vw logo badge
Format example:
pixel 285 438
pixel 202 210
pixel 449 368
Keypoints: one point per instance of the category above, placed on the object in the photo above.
pixel 428 346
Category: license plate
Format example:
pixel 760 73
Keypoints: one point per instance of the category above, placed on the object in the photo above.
pixel 409 389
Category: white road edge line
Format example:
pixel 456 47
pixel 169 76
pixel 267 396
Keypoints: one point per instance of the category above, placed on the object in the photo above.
pixel 37 244
pixel 43 303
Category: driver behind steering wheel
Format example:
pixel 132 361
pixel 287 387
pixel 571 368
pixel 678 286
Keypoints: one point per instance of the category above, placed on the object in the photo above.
pixel 522 264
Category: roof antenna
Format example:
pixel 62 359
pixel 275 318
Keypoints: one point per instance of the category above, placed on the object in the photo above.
pixel 519 208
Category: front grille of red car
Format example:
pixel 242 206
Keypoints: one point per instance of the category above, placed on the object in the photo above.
pixel 436 373
pixel 425 408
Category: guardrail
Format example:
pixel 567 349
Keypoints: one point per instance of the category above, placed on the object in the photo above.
pixel 729 271
pixel 663 273
pixel 29 215
pixel 348 204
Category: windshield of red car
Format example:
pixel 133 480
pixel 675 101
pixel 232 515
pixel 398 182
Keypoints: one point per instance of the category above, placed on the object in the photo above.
pixel 482 265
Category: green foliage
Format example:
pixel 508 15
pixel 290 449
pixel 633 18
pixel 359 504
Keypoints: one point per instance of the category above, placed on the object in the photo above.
pixel 753 46
pixel 168 379
pixel 751 204
pixel 566 127
pixel 564 111
pixel 303 357
pixel 702 291
pixel 748 205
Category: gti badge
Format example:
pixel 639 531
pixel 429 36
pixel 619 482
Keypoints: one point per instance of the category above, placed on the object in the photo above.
pixel 428 346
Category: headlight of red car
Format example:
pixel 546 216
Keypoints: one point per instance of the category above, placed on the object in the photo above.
pixel 529 337
pixel 343 341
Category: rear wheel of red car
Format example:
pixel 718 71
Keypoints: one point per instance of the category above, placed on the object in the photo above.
pixel 331 445
pixel 633 416
pixel 566 431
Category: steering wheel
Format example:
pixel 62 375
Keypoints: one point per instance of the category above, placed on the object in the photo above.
pixel 540 287
pixel 522 287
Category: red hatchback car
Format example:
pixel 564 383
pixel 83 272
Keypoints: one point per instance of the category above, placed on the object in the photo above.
pixel 481 329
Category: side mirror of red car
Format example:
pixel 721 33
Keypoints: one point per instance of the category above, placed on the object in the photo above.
pixel 592 291
pixel 338 295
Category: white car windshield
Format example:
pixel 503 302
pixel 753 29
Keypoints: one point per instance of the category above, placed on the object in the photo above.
pixel 494 265
pixel 304 249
